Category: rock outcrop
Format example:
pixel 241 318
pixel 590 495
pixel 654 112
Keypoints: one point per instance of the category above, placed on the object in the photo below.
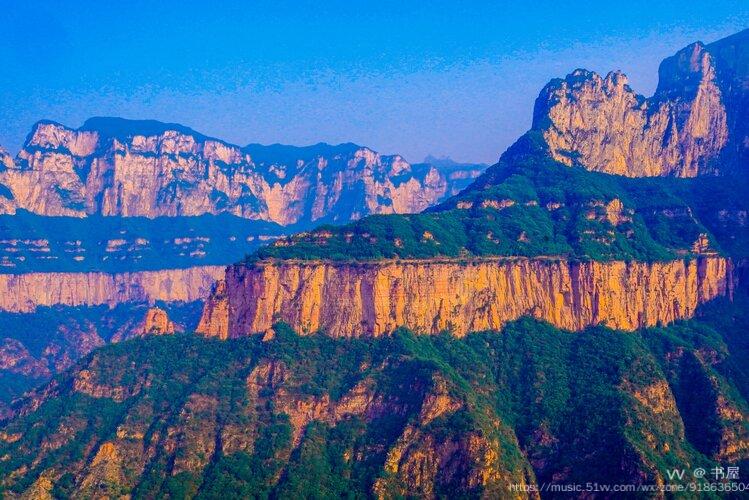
pixel 25 292
pixel 430 296
pixel 214 322
pixel 118 167
pixel 156 322
pixel 691 126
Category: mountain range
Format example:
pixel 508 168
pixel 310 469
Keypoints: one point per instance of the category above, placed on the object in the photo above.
pixel 122 213
pixel 575 315
pixel 533 236
pixel 130 168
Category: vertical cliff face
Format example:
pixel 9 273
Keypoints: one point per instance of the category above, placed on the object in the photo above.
pixel 372 299
pixel 25 292
pixel 141 168
pixel 689 127
pixel 214 322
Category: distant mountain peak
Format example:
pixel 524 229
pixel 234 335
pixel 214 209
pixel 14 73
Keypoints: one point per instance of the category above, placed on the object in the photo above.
pixel 692 126
pixel 447 163
pixel 280 152
pixel 117 127
pixel 147 168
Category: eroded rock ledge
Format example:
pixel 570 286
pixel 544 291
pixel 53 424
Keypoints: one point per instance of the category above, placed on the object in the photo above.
pixel 429 296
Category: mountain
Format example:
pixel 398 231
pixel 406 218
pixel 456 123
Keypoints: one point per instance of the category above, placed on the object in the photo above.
pixel 120 197
pixel 460 174
pixel 511 244
pixel 446 163
pixel 489 415
pixel 530 237
pixel 551 324
pixel 693 125
pixel 117 167
pixel 127 213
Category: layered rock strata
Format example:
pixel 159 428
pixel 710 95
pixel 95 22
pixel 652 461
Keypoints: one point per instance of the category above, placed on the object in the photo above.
pixel 26 292
pixel 430 296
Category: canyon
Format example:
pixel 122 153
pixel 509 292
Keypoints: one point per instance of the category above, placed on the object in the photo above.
pixel 548 323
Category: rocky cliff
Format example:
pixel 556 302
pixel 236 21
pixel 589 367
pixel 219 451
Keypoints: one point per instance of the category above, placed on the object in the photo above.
pixel 429 296
pixel 214 320
pixel 156 322
pixel 117 167
pixel 692 125
pixel 26 292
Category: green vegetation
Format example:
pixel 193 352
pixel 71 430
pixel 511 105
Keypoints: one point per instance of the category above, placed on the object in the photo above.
pixel 60 335
pixel 195 417
pixel 48 325
pixel 183 416
pixel 530 205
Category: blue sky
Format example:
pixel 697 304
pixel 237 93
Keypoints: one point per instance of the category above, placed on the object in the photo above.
pixel 415 78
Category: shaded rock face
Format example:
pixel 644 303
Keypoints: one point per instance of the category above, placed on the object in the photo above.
pixel 25 292
pixel 118 167
pixel 691 126
pixel 214 322
pixel 426 296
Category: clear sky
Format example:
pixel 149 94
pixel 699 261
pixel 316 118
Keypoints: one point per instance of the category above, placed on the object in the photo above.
pixel 444 78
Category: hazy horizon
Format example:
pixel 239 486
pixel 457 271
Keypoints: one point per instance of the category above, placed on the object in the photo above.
pixel 409 79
